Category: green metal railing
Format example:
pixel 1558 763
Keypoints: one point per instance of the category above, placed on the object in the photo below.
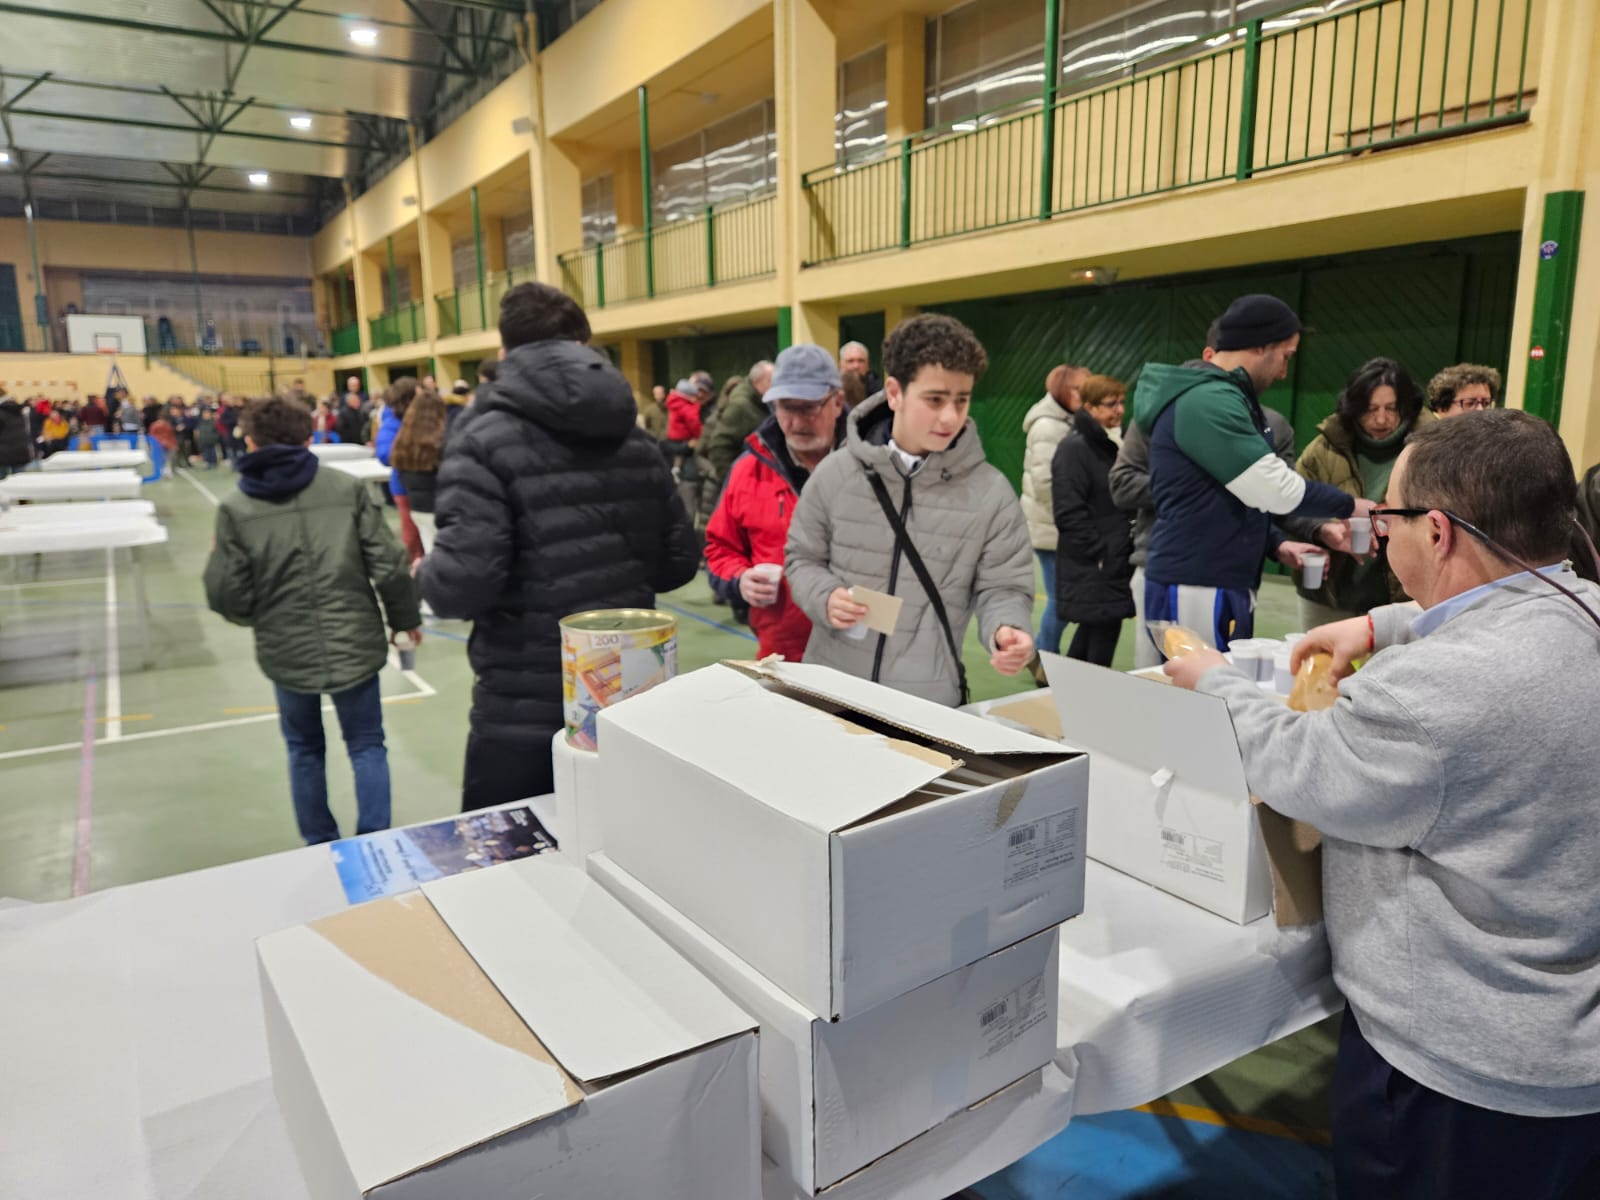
pixel 216 377
pixel 405 324
pixel 474 308
pixel 720 246
pixel 346 339
pixel 1269 95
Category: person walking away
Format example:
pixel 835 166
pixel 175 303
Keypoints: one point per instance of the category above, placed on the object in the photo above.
pixel 1453 782
pixel 351 424
pixel 1354 451
pixel 297 557
pixel 417 450
pixel 551 502
pixel 397 398
pixel 1215 479
pixel 16 444
pixel 912 508
pixel 1095 537
pixel 1045 424
pixel 747 533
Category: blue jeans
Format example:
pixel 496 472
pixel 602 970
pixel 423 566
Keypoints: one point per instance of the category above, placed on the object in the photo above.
pixel 1051 627
pixel 361 722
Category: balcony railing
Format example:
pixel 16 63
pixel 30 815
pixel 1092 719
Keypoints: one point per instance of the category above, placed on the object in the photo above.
pixel 723 245
pixel 1270 95
pixel 404 325
pixel 346 339
pixel 471 309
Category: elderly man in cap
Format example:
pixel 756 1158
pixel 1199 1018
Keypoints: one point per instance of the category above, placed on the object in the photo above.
pixel 746 535
pixel 1216 478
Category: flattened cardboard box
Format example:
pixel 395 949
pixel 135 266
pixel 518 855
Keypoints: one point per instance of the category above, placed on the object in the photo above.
pixel 507 1030
pixel 1168 795
pixel 848 841
pixel 838 1096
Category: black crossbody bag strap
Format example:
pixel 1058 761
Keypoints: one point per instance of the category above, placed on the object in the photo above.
pixel 935 601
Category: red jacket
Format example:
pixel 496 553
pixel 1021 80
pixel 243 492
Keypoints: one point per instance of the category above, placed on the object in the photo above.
pixel 683 417
pixel 751 525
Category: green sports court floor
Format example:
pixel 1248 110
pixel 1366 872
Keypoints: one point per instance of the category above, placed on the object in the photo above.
pixel 132 749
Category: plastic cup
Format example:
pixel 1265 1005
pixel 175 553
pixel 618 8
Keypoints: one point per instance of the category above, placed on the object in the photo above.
pixel 1282 676
pixel 1360 534
pixel 1313 566
pixel 1246 654
pixel 767 572
pixel 857 631
pixel 408 651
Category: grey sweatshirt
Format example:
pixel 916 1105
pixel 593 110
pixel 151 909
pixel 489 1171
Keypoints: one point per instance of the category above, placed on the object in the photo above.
pixel 1457 782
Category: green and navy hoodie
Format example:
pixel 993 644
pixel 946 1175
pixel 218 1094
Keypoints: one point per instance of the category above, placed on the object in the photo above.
pixel 1216 481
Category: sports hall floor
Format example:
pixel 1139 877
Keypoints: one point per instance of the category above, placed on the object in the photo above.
pixel 114 771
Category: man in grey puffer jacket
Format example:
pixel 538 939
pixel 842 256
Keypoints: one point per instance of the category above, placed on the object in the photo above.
pixel 959 512
pixel 1455 782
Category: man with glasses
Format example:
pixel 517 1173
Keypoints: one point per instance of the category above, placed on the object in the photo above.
pixel 1463 388
pixel 1455 783
pixel 746 534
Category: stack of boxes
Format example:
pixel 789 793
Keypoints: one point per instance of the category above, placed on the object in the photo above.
pixel 876 879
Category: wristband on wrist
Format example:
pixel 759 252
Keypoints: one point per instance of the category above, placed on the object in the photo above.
pixel 1372 635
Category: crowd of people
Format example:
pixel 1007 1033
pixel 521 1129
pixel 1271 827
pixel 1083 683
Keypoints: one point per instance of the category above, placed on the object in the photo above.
pixel 1458 874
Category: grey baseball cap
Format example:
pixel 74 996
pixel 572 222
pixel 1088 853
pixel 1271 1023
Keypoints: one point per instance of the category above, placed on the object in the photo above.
pixel 803 372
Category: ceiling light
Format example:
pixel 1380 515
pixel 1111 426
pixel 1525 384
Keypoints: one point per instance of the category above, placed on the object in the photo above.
pixel 300 122
pixel 364 35
pixel 5 156
pixel 260 178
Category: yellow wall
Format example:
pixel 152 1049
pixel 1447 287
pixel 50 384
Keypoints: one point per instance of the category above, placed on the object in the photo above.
pixel 478 144
pixel 76 376
pixel 383 211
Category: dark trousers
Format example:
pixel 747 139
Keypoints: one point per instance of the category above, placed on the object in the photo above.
pixel 1095 642
pixel 360 713
pixel 500 771
pixel 1394 1139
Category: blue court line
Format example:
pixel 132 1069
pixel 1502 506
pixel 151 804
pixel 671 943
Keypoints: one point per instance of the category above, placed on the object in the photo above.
pixel 694 616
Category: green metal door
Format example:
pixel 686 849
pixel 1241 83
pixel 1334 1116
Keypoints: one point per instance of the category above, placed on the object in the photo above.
pixel 11 337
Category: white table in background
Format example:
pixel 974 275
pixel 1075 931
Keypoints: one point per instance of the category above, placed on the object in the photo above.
pixel 96 460
pixel 341 451
pixel 144 1070
pixel 111 484
pixel 28 516
pixel 368 470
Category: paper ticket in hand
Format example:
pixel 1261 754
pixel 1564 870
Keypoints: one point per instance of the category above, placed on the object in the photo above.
pixel 883 610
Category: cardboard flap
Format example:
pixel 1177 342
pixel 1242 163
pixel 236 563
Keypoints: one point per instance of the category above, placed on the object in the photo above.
pixel 947 726
pixel 1180 740
pixel 388 1008
pixel 605 994
pixel 815 767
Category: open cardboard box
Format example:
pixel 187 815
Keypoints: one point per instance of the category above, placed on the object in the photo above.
pixel 848 841
pixel 514 1031
pixel 837 1096
pixel 1168 795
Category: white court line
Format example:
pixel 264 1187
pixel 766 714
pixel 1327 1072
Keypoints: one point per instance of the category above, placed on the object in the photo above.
pixel 188 477
pixel 50 583
pixel 424 691
pixel 113 654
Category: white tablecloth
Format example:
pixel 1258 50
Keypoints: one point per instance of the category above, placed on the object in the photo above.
pixel 53 538
pixel 96 460
pixel 368 469
pixel 341 451
pixel 118 484
pixel 107 512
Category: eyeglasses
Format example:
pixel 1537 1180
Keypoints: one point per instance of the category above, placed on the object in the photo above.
pixel 1473 404
pixel 1380 533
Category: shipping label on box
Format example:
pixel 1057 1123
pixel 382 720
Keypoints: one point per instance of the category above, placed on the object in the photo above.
pixel 848 841
pixel 839 1095
pixel 506 1029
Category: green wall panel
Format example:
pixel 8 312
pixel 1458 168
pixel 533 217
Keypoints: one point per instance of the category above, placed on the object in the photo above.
pixel 723 354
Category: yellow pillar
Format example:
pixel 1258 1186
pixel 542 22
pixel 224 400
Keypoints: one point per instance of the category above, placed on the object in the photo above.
pixel 437 276
pixel 905 63
pixel 1569 159
pixel 805 51
pixel 557 189
pixel 637 365
pixel 627 191
pixel 893 314
pixel 368 280
pixel 494 244
pixel 817 323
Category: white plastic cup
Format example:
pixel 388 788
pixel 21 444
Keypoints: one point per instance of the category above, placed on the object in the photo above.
pixel 1360 534
pixel 857 631
pixel 1313 566
pixel 1282 676
pixel 408 651
pixel 767 572
pixel 1292 638
pixel 1246 653
pixel 1267 650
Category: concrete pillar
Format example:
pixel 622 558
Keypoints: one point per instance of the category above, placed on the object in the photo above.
pixel 905 63
pixel 893 314
pixel 818 324
pixel 437 277
pixel 805 51
pixel 557 189
pixel 627 191
pixel 494 245
pixel 636 362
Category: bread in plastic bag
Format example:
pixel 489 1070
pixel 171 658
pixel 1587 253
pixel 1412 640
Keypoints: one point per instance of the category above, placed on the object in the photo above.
pixel 1178 642
pixel 1314 685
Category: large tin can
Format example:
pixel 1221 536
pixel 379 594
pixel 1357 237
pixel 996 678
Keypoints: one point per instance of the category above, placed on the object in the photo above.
pixel 609 655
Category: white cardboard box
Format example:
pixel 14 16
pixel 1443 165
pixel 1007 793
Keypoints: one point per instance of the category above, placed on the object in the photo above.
pixel 1168 795
pixel 848 841
pixel 838 1096
pixel 507 1033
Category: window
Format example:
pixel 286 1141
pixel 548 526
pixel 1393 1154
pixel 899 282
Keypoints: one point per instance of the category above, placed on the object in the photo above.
pixel 730 160
pixel 858 125
pixel 983 56
pixel 1108 39
pixel 599 210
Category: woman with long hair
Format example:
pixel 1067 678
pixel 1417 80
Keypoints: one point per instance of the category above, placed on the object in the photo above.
pixel 397 399
pixel 418 448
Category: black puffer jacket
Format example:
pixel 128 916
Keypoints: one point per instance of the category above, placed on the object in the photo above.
pixel 1094 540
pixel 16 443
pixel 551 502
